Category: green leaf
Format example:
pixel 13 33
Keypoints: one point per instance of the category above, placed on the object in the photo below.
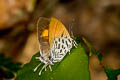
pixel 112 74
pixel 89 46
pixel 72 67
pixel 92 50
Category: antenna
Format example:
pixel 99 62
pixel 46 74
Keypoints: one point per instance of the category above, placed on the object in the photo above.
pixel 70 28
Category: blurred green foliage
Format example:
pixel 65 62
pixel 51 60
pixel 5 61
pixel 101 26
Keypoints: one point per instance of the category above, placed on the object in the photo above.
pixel 111 73
pixel 7 67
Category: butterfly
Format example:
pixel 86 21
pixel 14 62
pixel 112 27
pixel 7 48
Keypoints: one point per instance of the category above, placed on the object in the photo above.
pixel 55 42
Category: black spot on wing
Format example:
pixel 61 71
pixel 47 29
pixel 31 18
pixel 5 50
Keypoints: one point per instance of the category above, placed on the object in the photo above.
pixel 62 41
pixel 61 54
pixel 61 51
pixel 62 46
pixel 55 42
pixel 59 39
pixel 66 43
pixel 58 46
pixel 69 40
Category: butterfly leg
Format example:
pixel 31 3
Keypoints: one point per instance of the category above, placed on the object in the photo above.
pixel 75 44
pixel 69 52
pixel 50 67
pixel 70 46
pixel 37 57
pixel 35 69
pixel 43 68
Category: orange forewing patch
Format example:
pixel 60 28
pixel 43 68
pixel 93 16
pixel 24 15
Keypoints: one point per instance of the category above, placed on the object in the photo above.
pixel 56 29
